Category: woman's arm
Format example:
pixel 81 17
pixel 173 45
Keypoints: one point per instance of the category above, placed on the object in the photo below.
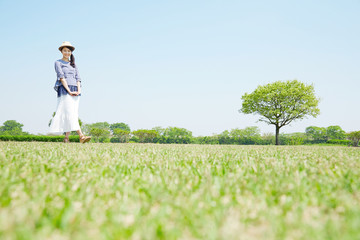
pixel 78 80
pixel 64 83
pixel 79 87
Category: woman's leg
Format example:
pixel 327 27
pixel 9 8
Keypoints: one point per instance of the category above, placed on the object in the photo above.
pixel 80 133
pixel 66 139
pixel 83 138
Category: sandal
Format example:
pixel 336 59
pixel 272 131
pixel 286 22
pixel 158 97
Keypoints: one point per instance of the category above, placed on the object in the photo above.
pixel 66 140
pixel 84 139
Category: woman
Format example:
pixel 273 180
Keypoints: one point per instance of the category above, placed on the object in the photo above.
pixel 68 87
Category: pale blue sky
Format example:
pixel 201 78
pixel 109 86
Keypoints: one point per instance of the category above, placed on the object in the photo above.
pixel 179 63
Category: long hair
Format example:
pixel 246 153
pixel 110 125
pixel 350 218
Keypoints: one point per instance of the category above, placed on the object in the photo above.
pixel 72 60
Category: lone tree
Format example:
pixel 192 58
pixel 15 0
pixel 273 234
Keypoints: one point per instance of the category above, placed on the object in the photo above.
pixel 281 102
pixel 12 127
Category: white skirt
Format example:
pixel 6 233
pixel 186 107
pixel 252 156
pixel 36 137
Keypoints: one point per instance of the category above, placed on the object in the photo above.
pixel 66 118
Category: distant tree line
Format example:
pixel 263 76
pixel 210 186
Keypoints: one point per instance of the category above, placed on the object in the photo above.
pixel 105 132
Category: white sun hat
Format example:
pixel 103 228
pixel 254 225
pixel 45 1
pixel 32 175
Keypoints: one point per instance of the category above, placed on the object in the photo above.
pixel 67 44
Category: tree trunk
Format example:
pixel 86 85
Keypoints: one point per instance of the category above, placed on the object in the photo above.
pixel 277 130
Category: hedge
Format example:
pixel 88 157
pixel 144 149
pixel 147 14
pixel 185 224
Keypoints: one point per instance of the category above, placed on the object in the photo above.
pixel 339 142
pixel 35 138
pixel 184 140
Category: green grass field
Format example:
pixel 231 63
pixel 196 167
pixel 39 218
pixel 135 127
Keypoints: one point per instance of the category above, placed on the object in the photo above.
pixel 148 191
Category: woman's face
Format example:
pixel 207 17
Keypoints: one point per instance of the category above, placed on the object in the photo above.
pixel 66 52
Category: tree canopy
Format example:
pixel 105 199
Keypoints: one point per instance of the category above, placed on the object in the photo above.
pixel 321 133
pixel 176 132
pixel 316 133
pixel 281 102
pixel 12 127
pixel 122 126
pixel 335 132
pixel 354 137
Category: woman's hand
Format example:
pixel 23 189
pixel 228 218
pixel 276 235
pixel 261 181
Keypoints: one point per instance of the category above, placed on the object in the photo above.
pixel 74 93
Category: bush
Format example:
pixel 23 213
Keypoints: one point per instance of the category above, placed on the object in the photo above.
pixel 114 140
pixel 206 140
pixel 175 139
pixel 104 139
pixel 339 142
pixel 291 139
pixel 134 139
